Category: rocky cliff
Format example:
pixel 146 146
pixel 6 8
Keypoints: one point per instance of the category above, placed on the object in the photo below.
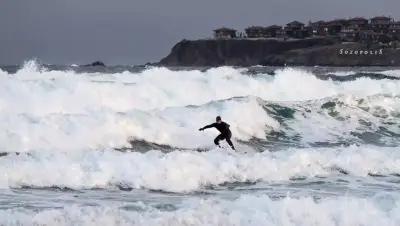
pixel 306 52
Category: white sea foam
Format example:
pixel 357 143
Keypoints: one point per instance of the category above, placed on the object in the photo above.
pixel 177 127
pixel 393 73
pixel 66 111
pixel 335 119
pixel 343 73
pixel 47 92
pixel 69 123
pixel 190 171
pixel 247 210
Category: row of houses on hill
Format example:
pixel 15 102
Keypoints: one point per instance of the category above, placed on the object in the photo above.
pixel 378 29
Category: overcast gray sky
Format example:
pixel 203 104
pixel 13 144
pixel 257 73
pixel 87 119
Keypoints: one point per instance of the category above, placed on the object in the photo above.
pixel 140 31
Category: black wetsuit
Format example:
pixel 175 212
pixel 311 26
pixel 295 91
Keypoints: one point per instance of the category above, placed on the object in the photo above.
pixel 226 133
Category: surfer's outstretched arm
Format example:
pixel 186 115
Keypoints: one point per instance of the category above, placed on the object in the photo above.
pixel 207 127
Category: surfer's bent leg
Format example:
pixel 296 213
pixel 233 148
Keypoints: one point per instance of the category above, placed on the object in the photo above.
pixel 218 138
pixel 228 139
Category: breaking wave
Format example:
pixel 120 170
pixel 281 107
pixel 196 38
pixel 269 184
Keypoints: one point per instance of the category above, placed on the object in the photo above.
pixel 246 210
pixel 188 171
pixel 51 110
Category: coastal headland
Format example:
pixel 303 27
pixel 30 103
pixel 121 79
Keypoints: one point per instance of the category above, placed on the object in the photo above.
pixel 305 52
pixel 341 42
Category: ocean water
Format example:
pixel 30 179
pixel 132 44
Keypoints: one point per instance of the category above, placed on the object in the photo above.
pixel 121 146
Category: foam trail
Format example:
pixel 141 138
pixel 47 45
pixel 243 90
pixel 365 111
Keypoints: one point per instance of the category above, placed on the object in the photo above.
pixel 393 73
pixel 247 210
pixel 343 73
pixel 190 171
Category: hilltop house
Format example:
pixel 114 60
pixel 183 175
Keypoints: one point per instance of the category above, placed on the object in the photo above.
pixel 395 30
pixel 255 32
pixel 334 27
pixel 318 28
pixel 381 24
pixel 295 29
pixel 273 31
pixel 349 35
pixel 350 31
pixel 357 24
pixel 263 32
pixel 224 33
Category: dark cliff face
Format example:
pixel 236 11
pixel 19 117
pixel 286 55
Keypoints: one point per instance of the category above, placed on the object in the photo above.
pixel 307 52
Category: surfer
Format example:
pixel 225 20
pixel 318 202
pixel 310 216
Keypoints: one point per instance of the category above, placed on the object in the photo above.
pixel 223 128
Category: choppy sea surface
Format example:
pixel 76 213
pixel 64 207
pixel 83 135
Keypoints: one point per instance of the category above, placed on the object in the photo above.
pixel 120 146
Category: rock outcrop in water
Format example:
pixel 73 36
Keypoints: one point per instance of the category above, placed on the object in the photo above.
pixel 95 64
pixel 305 52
